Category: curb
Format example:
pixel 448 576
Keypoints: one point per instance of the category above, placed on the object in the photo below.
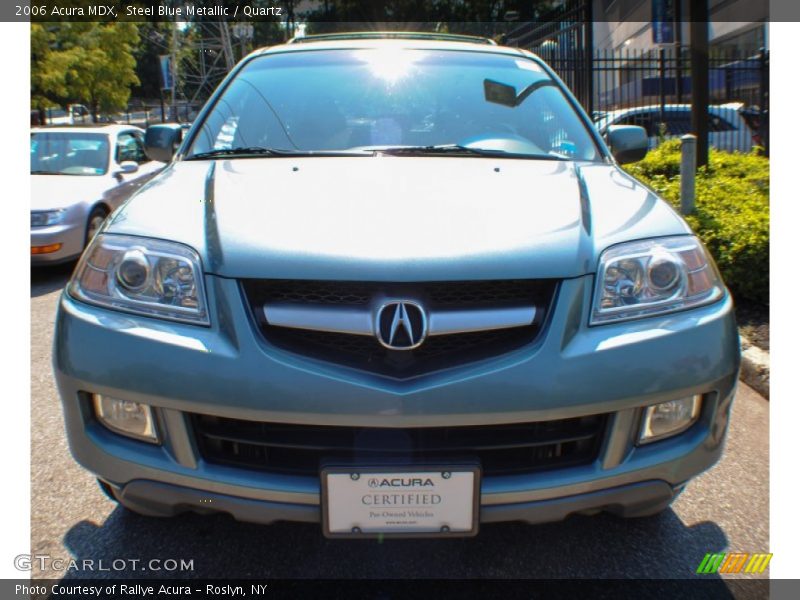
pixel 755 367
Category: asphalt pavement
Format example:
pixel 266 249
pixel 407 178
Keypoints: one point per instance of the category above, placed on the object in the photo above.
pixel 724 510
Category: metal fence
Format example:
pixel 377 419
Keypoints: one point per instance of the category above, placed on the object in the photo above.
pixel 149 112
pixel 652 88
pixel 138 112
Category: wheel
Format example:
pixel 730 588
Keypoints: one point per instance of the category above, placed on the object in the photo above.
pixel 107 490
pixel 655 511
pixel 94 222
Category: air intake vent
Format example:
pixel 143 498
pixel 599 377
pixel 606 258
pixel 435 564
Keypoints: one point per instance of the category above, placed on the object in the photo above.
pixel 300 449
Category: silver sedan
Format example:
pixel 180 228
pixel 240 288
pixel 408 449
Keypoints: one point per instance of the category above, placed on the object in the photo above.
pixel 78 176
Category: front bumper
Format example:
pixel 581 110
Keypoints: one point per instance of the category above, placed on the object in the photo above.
pixel 228 370
pixel 69 235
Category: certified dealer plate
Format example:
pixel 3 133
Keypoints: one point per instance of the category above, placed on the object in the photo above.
pixel 418 501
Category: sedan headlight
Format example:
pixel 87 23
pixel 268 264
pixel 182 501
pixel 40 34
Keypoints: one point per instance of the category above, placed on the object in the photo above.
pixel 155 278
pixel 44 218
pixel 651 277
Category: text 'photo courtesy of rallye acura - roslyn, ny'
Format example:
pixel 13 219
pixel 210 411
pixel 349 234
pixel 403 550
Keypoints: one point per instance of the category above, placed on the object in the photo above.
pixel 395 285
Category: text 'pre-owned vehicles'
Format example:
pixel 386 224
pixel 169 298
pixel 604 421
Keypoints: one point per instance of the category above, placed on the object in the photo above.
pixel 78 176
pixel 397 285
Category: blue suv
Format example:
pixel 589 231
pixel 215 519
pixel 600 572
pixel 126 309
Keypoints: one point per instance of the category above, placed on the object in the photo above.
pixel 396 285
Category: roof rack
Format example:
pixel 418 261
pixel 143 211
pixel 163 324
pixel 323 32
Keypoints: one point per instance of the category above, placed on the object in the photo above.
pixel 392 35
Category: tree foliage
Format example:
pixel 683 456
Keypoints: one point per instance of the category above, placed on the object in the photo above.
pixel 477 17
pixel 87 63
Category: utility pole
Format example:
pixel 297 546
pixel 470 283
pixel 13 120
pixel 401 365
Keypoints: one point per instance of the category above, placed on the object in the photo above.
pixel 678 52
pixel 227 47
pixel 173 65
pixel 698 42
pixel 588 57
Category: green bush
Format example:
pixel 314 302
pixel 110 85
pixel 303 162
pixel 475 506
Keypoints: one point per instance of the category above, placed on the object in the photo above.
pixel 731 211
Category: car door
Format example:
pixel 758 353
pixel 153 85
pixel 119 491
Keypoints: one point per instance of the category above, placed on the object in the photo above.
pixel 130 148
pixel 724 134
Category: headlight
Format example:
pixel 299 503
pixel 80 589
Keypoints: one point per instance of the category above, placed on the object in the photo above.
pixel 651 277
pixel 43 218
pixel 140 275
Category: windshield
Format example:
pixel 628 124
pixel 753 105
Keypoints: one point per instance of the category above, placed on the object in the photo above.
pixel 69 153
pixel 365 100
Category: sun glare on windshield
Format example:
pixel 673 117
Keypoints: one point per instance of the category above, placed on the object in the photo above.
pixel 390 64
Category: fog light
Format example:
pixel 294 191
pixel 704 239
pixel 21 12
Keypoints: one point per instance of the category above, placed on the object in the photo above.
pixel 669 418
pixel 126 417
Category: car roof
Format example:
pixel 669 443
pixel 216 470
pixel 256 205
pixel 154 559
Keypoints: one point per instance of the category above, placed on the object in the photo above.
pixel 110 128
pixel 402 35
pixel 344 42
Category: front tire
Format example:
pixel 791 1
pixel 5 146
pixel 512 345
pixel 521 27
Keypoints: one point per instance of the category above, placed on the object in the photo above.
pixel 108 491
pixel 96 219
pixel 655 511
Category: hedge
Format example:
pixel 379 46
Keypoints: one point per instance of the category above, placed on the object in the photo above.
pixel 731 212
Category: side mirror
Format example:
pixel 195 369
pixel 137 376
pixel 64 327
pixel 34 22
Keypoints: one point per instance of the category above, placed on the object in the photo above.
pixel 628 143
pixel 128 166
pixel 162 141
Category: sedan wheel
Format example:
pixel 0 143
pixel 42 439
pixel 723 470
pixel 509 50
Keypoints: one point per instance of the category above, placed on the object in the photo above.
pixel 96 220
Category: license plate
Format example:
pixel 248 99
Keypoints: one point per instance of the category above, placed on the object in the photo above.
pixel 389 501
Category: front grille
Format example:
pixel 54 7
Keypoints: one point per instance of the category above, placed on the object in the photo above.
pixel 437 352
pixel 437 294
pixel 301 449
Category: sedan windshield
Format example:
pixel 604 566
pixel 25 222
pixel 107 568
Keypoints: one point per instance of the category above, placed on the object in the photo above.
pixel 395 100
pixel 69 153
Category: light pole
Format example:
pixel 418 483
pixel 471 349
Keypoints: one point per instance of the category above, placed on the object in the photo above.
pixel 242 32
pixel 698 42
pixel 173 65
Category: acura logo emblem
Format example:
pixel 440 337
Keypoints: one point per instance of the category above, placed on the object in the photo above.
pixel 401 325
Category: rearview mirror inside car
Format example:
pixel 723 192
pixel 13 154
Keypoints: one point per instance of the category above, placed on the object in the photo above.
pixel 162 141
pixel 502 93
pixel 499 93
pixel 628 143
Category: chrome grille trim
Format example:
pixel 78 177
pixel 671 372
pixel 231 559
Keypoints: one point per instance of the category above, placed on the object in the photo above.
pixel 332 319
pixel 361 321
pixel 448 322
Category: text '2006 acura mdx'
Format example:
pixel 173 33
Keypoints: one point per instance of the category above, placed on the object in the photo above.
pixel 395 285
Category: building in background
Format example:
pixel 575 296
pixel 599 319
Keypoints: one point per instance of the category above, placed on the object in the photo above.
pixel 628 24
pixel 633 56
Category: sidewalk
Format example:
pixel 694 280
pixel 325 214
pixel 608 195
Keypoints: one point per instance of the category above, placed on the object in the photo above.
pixel 755 367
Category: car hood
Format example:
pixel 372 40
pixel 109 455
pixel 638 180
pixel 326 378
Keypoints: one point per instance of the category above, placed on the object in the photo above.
pixel 396 218
pixel 60 191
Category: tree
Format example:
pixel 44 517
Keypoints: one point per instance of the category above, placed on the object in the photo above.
pixel 154 41
pixel 476 17
pixel 41 39
pixel 90 63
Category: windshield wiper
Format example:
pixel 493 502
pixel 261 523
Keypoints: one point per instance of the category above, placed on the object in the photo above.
pixel 443 149
pixel 457 149
pixel 251 151
pixel 244 151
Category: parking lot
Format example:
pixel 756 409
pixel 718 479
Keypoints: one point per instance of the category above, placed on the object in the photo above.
pixel 725 510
